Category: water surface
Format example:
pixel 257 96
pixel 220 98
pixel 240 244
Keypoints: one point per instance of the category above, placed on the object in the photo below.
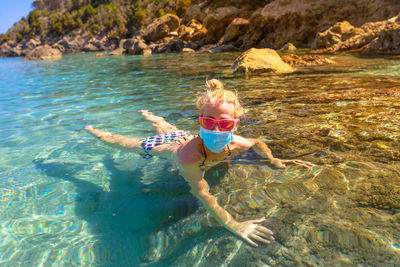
pixel 68 199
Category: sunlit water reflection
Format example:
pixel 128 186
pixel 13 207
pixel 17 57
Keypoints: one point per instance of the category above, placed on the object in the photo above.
pixel 67 199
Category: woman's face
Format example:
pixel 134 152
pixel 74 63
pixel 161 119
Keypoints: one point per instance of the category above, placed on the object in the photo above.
pixel 218 111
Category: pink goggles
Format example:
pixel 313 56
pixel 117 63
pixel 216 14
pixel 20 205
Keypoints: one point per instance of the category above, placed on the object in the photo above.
pixel 223 125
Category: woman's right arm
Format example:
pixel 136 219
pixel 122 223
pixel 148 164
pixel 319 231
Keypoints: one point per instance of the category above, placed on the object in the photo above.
pixel 250 230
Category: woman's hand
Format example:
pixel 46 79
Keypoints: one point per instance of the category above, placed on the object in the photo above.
pixel 281 163
pixel 251 231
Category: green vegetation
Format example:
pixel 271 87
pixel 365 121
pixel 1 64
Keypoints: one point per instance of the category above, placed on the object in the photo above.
pixel 239 3
pixel 114 18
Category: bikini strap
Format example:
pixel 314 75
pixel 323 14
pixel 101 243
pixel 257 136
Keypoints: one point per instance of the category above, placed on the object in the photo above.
pixel 205 154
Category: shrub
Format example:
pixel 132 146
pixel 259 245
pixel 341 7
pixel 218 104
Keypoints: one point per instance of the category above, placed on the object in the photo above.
pixel 19 36
pixel 160 13
pixel 139 15
pixel 95 28
pixel 35 21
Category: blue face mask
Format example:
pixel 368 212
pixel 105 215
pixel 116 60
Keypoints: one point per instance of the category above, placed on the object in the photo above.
pixel 216 141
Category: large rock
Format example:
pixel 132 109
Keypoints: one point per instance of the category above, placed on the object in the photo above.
pixel 261 60
pixel 254 33
pixel 235 29
pixel 388 40
pixel 336 34
pixel 77 43
pixel 219 48
pixel 101 43
pixel 160 28
pixel 135 46
pixel 169 45
pixel 32 43
pixel 299 21
pixel 10 49
pixel 289 47
pixel 117 52
pixel 192 32
pixel 195 12
pixel 44 52
pixel 344 36
pixel 217 21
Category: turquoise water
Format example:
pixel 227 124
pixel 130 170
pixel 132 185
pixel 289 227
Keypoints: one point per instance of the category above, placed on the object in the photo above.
pixel 67 199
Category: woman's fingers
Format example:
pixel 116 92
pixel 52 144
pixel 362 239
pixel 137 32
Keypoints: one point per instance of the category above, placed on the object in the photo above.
pixel 258 221
pixel 258 238
pixel 267 236
pixel 250 241
pixel 264 230
pixel 299 162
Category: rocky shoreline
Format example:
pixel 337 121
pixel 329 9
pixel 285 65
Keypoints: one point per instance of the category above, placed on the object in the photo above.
pixel 367 26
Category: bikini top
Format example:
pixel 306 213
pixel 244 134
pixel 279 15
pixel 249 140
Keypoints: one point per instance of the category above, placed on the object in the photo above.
pixel 205 154
pixel 179 142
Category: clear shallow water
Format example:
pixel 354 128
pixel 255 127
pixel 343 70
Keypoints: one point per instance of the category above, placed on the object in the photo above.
pixel 67 199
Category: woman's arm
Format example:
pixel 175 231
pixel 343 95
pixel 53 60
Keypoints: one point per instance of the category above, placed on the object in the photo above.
pixel 250 230
pixel 263 150
pixel 115 140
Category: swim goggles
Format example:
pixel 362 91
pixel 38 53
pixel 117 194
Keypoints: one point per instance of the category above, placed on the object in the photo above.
pixel 223 125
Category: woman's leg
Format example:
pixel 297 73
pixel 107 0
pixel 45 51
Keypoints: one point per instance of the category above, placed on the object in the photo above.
pixel 121 142
pixel 129 144
pixel 159 123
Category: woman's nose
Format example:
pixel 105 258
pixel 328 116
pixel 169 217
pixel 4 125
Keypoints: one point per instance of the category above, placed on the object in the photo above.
pixel 216 128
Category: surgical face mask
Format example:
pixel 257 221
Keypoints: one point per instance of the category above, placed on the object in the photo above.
pixel 216 141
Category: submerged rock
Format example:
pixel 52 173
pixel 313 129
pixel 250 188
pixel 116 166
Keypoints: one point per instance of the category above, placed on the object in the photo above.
pixel 44 52
pixel 261 60
pixel 100 55
pixel 307 60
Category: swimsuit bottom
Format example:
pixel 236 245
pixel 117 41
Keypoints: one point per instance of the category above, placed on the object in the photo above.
pixel 152 141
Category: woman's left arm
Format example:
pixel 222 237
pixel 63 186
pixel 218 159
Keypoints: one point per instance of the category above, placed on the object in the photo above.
pixel 263 150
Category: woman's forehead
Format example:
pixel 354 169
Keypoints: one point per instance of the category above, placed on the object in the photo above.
pixel 219 110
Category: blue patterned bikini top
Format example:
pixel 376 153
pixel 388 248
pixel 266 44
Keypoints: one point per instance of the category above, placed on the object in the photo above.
pixel 152 141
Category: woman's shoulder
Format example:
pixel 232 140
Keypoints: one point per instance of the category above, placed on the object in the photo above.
pixel 242 143
pixel 191 152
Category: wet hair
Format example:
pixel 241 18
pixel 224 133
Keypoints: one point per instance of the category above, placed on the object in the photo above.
pixel 217 94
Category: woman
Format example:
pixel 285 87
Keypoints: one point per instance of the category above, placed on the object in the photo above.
pixel 219 111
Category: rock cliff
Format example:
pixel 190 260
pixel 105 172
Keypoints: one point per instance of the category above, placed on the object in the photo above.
pixel 371 26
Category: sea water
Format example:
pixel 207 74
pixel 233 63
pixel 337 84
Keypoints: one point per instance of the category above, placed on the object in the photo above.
pixel 67 199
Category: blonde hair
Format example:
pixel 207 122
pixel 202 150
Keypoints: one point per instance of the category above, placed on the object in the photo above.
pixel 217 94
